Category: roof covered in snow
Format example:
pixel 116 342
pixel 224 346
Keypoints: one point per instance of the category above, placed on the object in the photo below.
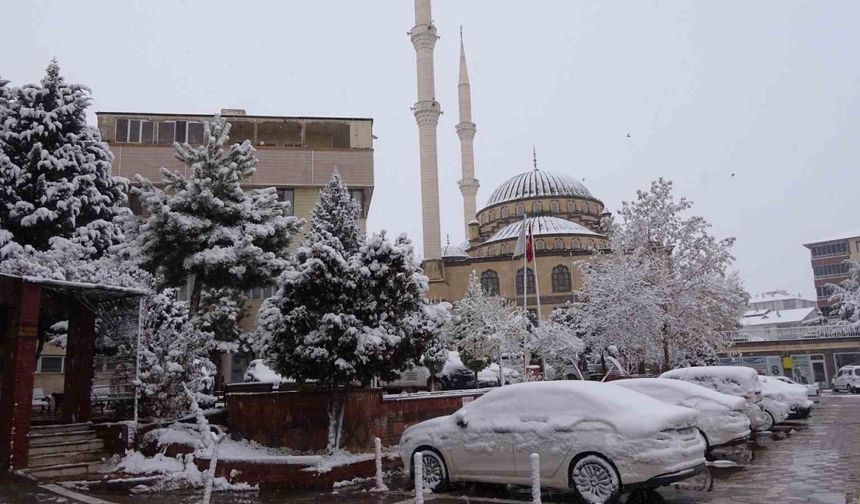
pixel 765 317
pixel 536 183
pixel 542 225
pixel 96 292
pixel 454 252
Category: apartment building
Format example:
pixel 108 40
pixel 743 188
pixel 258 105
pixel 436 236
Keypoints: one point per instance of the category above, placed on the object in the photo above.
pixel 828 258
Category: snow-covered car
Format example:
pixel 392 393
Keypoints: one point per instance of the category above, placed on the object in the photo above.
pixel 792 397
pixel 732 380
pixel 812 389
pixel 597 439
pixel 413 379
pixel 259 372
pixel 847 379
pixel 719 417
pixel 489 376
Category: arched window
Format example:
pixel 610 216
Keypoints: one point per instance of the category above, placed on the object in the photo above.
pixel 553 206
pixel 520 209
pixel 592 208
pixel 575 244
pixel 530 288
pixel 560 279
pixel 491 251
pixel 537 207
pixel 490 283
pixel 591 245
pixel 504 249
pixel 540 244
pixel 571 206
pixel 558 244
pixel 492 215
pixel 505 212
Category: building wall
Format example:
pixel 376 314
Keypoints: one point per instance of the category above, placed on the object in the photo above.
pixel 833 352
pixel 852 252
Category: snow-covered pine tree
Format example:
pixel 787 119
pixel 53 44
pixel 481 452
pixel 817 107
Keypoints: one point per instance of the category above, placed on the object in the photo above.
pixel 207 227
pixel 173 353
pixel 220 313
pixel 337 213
pixel 55 172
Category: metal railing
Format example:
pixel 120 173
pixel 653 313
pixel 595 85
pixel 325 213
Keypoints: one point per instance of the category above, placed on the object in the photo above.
pixel 794 333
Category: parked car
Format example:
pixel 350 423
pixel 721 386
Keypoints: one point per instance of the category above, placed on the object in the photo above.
pixel 791 395
pixel 259 372
pixel 413 379
pixel 812 389
pixel 598 439
pixel 847 379
pixel 732 380
pixel 719 417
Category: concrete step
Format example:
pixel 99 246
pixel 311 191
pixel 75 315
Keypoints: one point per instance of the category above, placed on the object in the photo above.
pixel 68 446
pixel 53 459
pixel 63 470
pixel 59 428
pixel 60 437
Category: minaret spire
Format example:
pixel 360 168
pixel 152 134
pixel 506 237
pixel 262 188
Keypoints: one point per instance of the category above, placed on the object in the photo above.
pixel 466 131
pixel 427 111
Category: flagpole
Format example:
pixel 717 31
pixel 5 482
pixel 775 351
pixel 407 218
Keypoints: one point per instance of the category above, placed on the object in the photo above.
pixel 525 299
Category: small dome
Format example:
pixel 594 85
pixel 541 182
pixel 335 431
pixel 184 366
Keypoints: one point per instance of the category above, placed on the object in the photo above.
pixel 542 225
pixel 455 251
pixel 537 183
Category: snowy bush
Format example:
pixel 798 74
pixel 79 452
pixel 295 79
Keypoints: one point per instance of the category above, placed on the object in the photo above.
pixel 846 295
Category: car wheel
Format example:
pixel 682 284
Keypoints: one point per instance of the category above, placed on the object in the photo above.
pixel 595 480
pixel 435 471
pixel 768 421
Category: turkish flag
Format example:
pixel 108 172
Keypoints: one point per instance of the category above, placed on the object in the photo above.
pixel 530 251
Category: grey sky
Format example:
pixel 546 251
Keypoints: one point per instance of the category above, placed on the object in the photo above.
pixel 767 90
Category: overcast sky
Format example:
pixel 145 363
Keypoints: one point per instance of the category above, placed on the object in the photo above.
pixel 768 91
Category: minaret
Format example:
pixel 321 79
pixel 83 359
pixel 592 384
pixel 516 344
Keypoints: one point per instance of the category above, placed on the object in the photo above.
pixel 466 131
pixel 427 111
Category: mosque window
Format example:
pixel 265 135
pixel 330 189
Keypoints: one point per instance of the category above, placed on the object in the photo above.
pixel 591 245
pixel 553 206
pixel 575 244
pixel 490 283
pixel 491 251
pixel 505 212
pixel 571 206
pixel 504 249
pixel 540 245
pixel 520 209
pixel 530 281
pixel 558 244
pixel 537 207
pixel 560 279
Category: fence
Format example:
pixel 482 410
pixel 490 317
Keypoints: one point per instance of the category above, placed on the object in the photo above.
pixel 794 333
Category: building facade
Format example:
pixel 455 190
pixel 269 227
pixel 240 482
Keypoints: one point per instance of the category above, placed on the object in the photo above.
pixel 828 258
pixel 296 155
pixel 779 300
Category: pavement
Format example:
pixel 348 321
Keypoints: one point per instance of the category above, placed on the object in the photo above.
pixel 815 461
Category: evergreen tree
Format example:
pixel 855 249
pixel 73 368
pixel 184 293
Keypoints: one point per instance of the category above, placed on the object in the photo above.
pixel 207 227
pixel 219 317
pixel 845 296
pixel 336 213
pixel 55 172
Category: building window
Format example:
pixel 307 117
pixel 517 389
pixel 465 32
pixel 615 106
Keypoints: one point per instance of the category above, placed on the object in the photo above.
pixel 575 244
pixel 261 292
pixel 491 251
pixel 537 207
pixel 540 244
pixel 857 245
pixel 358 197
pixel 831 249
pixel 530 281
pixel 558 244
pixel 289 196
pixel 189 132
pixel 553 206
pixel 504 249
pixel 505 212
pixel 571 206
pixel 830 270
pixel 490 283
pixel 51 364
pixel 824 291
pixel 134 131
pixel 560 279
pixel 166 132
pixel 520 209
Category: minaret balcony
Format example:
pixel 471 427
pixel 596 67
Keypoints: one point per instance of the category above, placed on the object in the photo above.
pixel 466 130
pixel 423 36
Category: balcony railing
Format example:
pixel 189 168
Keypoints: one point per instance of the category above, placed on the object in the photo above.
pixel 794 333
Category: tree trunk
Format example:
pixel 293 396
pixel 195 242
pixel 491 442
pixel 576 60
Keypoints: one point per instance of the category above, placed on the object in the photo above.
pixel 196 291
pixel 665 366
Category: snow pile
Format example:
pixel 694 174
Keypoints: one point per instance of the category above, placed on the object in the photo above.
pixel 176 473
pixel 781 398
pixel 733 380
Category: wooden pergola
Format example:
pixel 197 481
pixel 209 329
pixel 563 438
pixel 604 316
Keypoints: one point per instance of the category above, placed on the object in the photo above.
pixel 21 303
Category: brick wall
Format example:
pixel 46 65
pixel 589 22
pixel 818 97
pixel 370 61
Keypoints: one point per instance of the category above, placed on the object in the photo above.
pixel 299 420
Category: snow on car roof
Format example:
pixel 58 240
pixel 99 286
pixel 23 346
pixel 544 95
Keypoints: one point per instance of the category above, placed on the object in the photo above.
pixel 561 405
pixel 737 380
pixel 676 391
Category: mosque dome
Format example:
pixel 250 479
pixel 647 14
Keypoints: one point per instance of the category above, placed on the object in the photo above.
pixel 542 225
pixel 537 183
pixel 455 252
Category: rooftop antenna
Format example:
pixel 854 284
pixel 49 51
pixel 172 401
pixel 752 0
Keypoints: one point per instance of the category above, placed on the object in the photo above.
pixel 534 157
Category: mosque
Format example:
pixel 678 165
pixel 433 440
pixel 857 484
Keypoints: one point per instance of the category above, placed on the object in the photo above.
pixel 564 216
